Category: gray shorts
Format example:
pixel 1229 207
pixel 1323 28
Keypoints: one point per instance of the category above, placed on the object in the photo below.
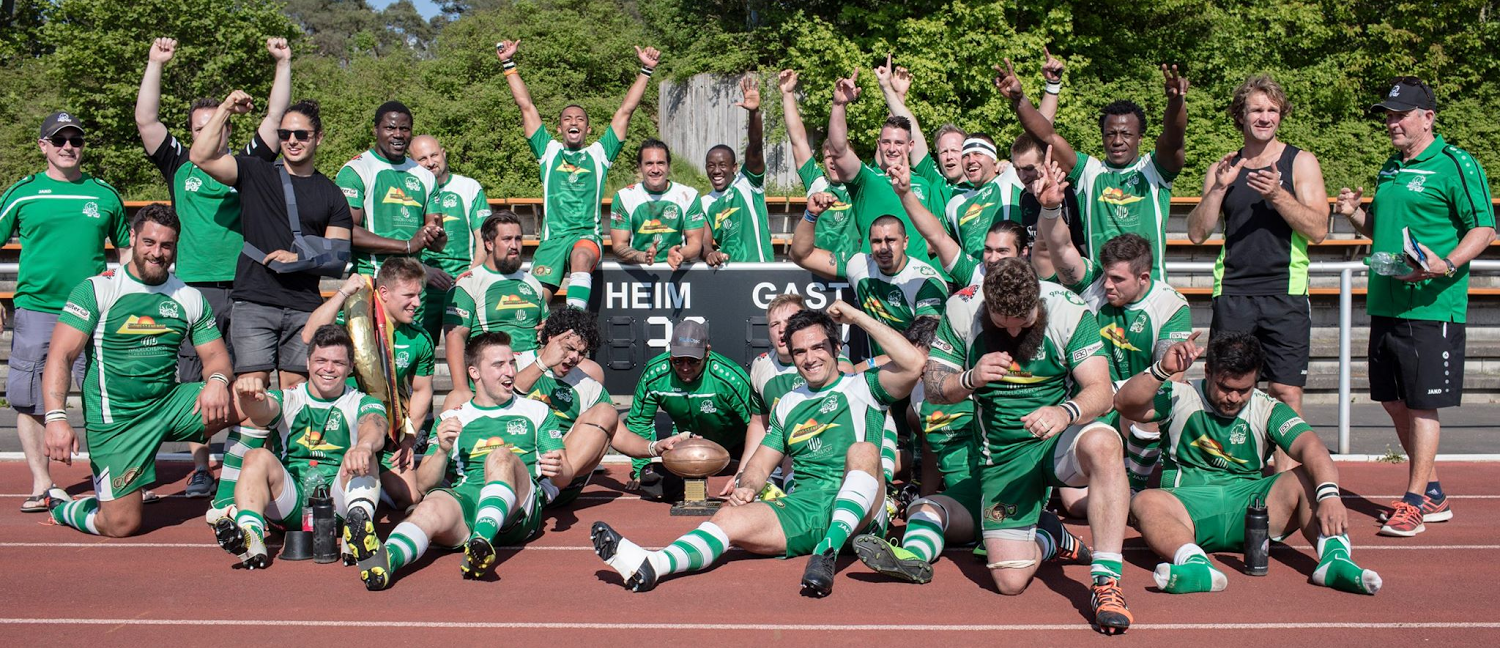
pixel 29 343
pixel 268 337
pixel 189 365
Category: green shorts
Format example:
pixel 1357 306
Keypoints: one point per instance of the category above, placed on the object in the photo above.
pixel 805 515
pixel 293 479
pixel 552 260
pixel 523 525
pixel 969 493
pixel 434 307
pixel 1016 487
pixel 1218 511
pixel 123 454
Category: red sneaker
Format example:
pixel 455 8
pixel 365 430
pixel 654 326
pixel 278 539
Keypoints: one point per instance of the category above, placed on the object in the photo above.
pixel 1405 521
pixel 1432 510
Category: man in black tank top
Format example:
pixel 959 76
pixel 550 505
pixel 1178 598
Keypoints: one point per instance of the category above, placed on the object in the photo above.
pixel 1271 198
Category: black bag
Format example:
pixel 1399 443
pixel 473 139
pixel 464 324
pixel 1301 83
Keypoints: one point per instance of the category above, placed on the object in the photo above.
pixel 317 255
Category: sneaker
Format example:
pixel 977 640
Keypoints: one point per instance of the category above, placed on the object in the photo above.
pixel 1432 510
pixel 817 579
pixel 1111 615
pixel 479 558
pixel 200 484
pixel 359 535
pixel 1404 522
pixel 891 560
pixel 243 542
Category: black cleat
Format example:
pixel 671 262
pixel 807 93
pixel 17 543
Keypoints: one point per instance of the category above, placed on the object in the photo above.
pixel 479 559
pixel 1070 549
pixel 644 578
pixel 376 570
pixel 359 535
pixel 249 548
pixel 817 579
pixel 605 540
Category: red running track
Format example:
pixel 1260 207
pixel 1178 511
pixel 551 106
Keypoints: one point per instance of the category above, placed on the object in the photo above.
pixel 173 585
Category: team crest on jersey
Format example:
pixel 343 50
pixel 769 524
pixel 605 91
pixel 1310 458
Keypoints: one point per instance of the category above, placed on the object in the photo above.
pixel 1238 433
pixel 403 359
pixel 515 427
pixel 192 184
pixel 169 309
pixel 563 395
pixel 412 184
pixel 141 325
pixel 450 201
pixel 1417 184
pixel 91 209
pixel 999 512
pixel 708 407
pixel 1138 325
pixel 828 406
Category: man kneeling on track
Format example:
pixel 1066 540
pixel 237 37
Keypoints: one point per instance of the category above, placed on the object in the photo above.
pixel 491 451
pixel 832 427
pixel 1217 434
pixel 321 425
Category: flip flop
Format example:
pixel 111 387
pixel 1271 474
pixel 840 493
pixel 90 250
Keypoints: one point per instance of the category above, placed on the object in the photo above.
pixel 38 503
pixel 150 497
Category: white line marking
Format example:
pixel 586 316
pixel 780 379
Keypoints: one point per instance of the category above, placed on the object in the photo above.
pixel 519 625
pixel 616 460
pixel 961 550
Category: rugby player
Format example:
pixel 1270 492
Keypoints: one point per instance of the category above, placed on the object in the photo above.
pixel 388 194
pixel 136 316
pixel 836 230
pixel 869 189
pixel 573 177
pixel 1005 238
pixel 656 219
pixel 461 202
pixel 831 427
pixel 323 426
pixel 1219 432
pixel 736 208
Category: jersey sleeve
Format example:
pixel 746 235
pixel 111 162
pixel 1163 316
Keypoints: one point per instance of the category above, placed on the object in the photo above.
pixel 1283 426
pixel 695 218
pixel 1079 167
pixel 641 419
pixel 1472 202
pixel 1090 273
pixel 948 348
pixel 740 396
pixel 775 437
pixel 809 174
pixel 927 169
pixel 1161 403
pixel 204 329
pixel 81 311
pixel 432 442
pixel 460 308
pixel 1085 342
pixel 352 185
pixel 479 209
pixel 540 139
pixel 1176 329
pixel 549 436
pixel 370 405
pixel 872 380
pixel 1166 177
pixel 618 219
pixel 610 144
pixel 930 297
pixel 278 395
pixel 756 180
pixel 9 211
pixel 119 227
pixel 426 360
pixel 259 148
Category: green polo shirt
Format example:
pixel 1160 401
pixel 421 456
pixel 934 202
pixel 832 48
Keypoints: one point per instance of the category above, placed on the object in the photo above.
pixel 1439 195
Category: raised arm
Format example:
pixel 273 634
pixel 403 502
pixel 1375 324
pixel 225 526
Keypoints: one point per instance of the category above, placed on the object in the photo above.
pixel 844 91
pixel 805 251
pixel 328 313
pixel 148 99
pixel 254 403
pixel 1348 205
pixel 206 152
pixel 1032 120
pixel 1171 151
pixel 1135 400
pixel 901 374
pixel 1052 73
pixel 927 225
pixel 281 90
pixel 1049 189
pixel 795 131
pixel 755 146
pixel 895 82
pixel 530 118
pixel 1305 208
pixel 649 58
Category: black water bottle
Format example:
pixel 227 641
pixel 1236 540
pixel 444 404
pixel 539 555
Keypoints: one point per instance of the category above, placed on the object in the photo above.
pixel 1257 539
pixel 325 528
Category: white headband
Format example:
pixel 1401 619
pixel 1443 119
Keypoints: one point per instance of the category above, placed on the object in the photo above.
pixel 976 145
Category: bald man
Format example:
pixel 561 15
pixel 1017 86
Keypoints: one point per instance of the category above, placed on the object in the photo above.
pixel 463 205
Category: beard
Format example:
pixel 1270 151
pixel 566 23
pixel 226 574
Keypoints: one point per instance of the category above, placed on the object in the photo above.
pixel 151 273
pixel 1022 348
pixel 508 265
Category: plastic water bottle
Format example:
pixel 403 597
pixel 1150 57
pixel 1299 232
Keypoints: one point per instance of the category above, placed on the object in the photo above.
pixel 1387 264
pixel 313 482
pixel 1257 539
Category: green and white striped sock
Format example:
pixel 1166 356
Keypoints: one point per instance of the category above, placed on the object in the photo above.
pixel 79 514
pixel 854 500
pixel 407 543
pixel 241 440
pixel 924 535
pixel 696 550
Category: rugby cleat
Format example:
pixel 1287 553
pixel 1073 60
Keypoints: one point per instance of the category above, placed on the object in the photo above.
pixel 376 571
pixel 891 560
pixel 359 534
pixel 1111 615
pixel 770 493
pixel 244 543
pixel 479 558
pixel 1070 548
pixel 628 560
pixel 817 579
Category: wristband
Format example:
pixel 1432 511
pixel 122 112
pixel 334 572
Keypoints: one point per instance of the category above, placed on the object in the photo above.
pixel 1327 490
pixel 408 246
pixel 647 71
pixel 966 380
pixel 1158 373
pixel 221 378
pixel 870 363
pixel 510 72
pixel 1054 87
pixel 651 449
pixel 56 415
pixel 508 64
pixel 810 217
pixel 1073 411
pixel 737 477
pixel 1051 213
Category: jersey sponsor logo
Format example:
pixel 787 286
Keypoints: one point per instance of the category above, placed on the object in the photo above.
pixel 808 430
pixel 77 311
pixel 1014 374
pixel 874 306
pixel 509 302
pixel 462 313
pixel 573 171
pixel 541 270
pixel 91 209
pixel 837 206
pixel 350 192
pixel 450 219
pixel 1084 353
pixel 119 483
pixel 169 309
pixel 486 446
pixel 1117 196
pixel 968 293
pixel 942 345
pixel 142 325
pixel 999 511
pixel 1179 335
pixel 1216 453
pixel 1291 423
pixel 395 196
pixel 1116 336
pixel 655 226
pixel 193 184
pixel 938 421
pixel 314 440
pixel 973 212
pixel 722 216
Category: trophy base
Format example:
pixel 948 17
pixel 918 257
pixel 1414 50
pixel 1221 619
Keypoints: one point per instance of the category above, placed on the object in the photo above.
pixel 695 501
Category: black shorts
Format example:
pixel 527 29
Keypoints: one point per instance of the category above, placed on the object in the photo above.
pixel 1282 323
pixel 1419 362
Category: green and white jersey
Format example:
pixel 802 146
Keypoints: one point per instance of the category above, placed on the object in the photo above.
pixel 1139 333
pixel 1045 379
pixel 520 425
pixel 966 270
pixel 771 380
pixel 1134 199
pixel 134 332
pixel 970 213
pixel 485 300
pixel 952 432
pixel 661 218
pixel 569 396
pixel 63 226
pixel 738 218
pixel 836 229
pixel 1200 446
pixel 313 429
pixel 463 205
pixel 393 195
pixel 816 427
pixel 416 355
pixel 573 182
pixel 896 300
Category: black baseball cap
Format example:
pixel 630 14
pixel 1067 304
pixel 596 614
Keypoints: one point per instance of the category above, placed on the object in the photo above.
pixel 58 121
pixel 689 340
pixel 1407 93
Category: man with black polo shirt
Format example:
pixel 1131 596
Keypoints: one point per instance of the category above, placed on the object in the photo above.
pixel 209 210
pixel 1434 197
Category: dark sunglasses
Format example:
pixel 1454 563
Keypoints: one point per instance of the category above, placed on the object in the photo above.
pixel 298 135
pixel 59 140
pixel 685 361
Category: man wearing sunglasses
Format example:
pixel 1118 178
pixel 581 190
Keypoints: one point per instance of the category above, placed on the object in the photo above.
pixel 63 216
pixel 208 209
